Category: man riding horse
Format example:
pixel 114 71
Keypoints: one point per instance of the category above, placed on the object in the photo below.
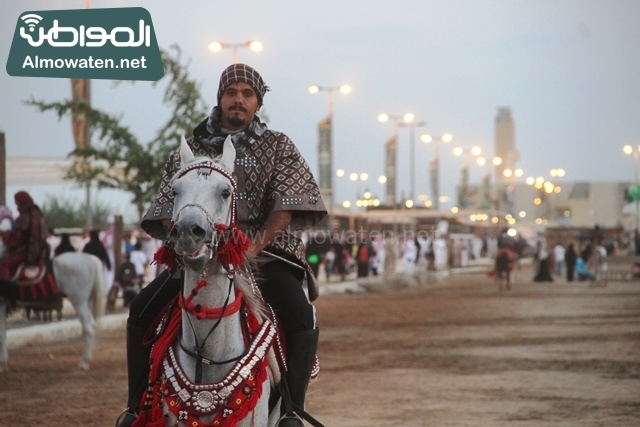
pixel 276 191
pixel 27 241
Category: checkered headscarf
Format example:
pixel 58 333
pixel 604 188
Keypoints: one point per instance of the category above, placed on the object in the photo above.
pixel 242 73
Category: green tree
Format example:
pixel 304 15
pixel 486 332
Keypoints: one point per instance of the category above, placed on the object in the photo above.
pixel 62 212
pixel 117 158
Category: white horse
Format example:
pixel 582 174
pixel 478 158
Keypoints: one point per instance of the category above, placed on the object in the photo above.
pixel 219 361
pixel 79 276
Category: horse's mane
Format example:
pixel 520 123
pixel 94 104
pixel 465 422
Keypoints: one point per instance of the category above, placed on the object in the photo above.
pixel 245 282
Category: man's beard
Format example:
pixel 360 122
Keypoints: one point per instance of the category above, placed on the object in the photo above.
pixel 237 121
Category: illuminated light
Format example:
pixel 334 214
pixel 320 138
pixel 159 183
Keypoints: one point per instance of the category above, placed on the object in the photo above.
pixel 495 219
pixel 345 89
pixel 530 181
pixel 511 221
pixel 408 118
pixel 428 203
pixel 481 161
pixel 508 173
pixel 447 137
pixel 497 161
pixel 383 117
pixel 346 204
pixel 519 172
pixel 382 179
pixel 473 217
pixel 561 172
pixel 557 189
pixel 553 172
pixel 364 176
pixel 627 149
pixel 508 216
pixel 367 194
pixel 454 210
pixel 444 199
pixel 548 187
pixel 376 202
pixel 340 173
pixel 256 46
pixel 537 201
pixel 567 213
pixel 458 151
pixel 215 46
pixel 522 214
pixel 538 221
pixel 512 232
pixel 409 204
pixel 422 197
pixel 359 203
pixel 540 180
pixel 353 176
pixel 426 138
pixel 314 89
pixel 476 151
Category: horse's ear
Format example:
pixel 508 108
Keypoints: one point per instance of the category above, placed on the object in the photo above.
pixel 186 155
pixel 228 155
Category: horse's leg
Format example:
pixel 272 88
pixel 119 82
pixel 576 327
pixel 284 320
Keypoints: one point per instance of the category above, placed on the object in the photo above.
pixel 88 331
pixel 4 355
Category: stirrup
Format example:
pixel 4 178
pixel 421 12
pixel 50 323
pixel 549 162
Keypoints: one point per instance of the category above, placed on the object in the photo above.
pixel 123 415
pixel 291 416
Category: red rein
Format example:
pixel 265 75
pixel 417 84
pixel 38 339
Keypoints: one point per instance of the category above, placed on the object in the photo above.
pixel 209 313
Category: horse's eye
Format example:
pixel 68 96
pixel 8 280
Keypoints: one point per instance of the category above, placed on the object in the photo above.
pixel 226 193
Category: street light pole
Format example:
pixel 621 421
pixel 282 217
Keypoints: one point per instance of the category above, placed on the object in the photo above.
pixel 627 149
pixel 325 147
pixel 435 171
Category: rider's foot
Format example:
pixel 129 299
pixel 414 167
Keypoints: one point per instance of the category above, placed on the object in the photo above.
pixel 290 421
pixel 126 419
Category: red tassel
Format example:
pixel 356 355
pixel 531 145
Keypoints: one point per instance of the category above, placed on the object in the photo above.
pixel 233 247
pixel 165 256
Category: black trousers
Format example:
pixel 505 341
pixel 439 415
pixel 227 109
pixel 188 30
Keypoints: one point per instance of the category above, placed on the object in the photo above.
pixel 278 282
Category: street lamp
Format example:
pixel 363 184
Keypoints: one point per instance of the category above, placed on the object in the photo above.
pixel 629 150
pixel 406 120
pixel 253 45
pixel 325 147
pixel 435 164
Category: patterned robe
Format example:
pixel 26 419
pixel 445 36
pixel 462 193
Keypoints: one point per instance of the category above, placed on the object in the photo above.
pixel 271 175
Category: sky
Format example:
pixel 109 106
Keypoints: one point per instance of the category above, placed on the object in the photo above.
pixel 569 70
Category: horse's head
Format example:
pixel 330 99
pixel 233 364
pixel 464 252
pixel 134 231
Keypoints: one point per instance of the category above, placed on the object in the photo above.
pixel 203 200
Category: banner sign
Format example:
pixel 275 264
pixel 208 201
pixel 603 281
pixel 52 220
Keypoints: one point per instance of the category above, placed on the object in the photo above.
pixel 115 44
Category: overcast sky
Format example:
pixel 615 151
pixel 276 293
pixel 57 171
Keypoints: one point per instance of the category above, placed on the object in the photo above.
pixel 568 69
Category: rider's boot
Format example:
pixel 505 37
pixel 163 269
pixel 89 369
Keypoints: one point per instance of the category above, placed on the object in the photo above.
pixel 138 372
pixel 301 352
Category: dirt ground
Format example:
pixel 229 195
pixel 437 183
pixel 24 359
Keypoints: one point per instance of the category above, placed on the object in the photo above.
pixel 451 353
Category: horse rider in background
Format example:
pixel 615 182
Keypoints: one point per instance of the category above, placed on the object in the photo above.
pixel 27 241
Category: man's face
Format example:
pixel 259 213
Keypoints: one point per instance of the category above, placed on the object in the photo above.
pixel 239 103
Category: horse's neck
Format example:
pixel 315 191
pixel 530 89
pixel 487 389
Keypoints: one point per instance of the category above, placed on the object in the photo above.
pixel 225 342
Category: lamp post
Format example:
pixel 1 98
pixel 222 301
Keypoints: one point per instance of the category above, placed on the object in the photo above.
pixel 397 120
pixel 412 165
pixel 435 164
pixel 325 147
pixel 253 45
pixel 629 150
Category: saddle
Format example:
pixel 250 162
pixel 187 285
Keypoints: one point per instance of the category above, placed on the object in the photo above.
pixel 29 274
pixel 34 282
